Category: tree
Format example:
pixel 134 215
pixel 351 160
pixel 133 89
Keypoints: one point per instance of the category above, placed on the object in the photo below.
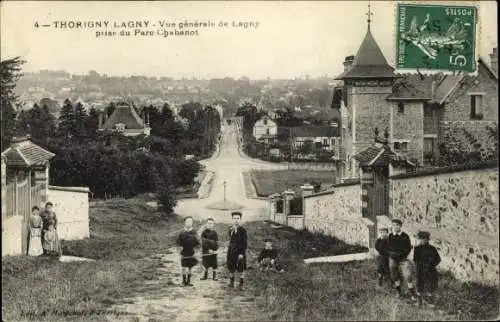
pixel 80 118
pixel 67 122
pixel 92 123
pixel 38 122
pixel 110 109
pixel 10 71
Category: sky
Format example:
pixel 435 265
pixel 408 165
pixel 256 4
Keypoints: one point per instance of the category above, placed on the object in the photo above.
pixel 292 39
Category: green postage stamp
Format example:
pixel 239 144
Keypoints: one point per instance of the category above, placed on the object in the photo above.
pixel 436 37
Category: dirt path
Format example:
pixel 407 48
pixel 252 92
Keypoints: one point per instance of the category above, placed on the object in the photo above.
pixel 164 299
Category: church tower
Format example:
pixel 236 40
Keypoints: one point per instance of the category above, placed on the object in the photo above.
pixel 367 83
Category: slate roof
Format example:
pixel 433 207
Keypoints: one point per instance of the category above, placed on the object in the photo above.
pixel 379 155
pixel 315 131
pixel 124 114
pixel 24 153
pixel 369 62
pixel 419 87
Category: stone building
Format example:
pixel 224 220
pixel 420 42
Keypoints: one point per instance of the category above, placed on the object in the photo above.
pixel 265 127
pixel 418 111
pixel 125 120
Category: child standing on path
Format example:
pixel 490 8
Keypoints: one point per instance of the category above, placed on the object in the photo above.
pixel 426 258
pixel 209 245
pixel 236 252
pixel 187 241
pixel 51 244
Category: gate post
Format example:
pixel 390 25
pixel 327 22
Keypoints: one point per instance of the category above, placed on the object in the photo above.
pixel 42 183
pixel 287 196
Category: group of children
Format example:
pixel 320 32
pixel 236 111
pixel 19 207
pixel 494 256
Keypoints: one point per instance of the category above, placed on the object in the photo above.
pixel 394 249
pixel 43 238
pixel 236 253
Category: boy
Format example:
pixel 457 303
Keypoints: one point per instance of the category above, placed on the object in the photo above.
pixel 236 257
pixel 188 242
pixel 426 258
pixel 48 214
pixel 382 246
pixel 209 245
pixel 399 246
pixel 268 258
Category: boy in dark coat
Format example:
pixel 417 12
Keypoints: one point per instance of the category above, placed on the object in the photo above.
pixel 236 251
pixel 209 245
pixel 382 246
pixel 426 258
pixel 268 258
pixel 399 265
pixel 187 241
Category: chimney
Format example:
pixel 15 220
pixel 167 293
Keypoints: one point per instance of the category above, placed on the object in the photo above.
pixel 433 89
pixel 348 62
pixel 494 60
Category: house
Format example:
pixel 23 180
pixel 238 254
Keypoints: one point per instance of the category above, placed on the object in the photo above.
pixel 125 120
pixel 324 137
pixel 265 126
pixel 417 111
pixel 25 183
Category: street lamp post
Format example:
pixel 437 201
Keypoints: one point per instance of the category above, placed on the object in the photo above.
pixel 224 190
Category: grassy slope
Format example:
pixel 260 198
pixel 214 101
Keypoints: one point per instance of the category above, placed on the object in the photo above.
pixel 269 182
pixel 121 231
pixel 347 291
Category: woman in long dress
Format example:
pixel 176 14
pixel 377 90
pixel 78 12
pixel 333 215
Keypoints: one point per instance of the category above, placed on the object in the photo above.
pixel 35 240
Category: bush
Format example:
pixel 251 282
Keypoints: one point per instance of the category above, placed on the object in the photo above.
pixel 166 199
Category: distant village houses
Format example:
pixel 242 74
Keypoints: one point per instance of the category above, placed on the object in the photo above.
pixel 265 128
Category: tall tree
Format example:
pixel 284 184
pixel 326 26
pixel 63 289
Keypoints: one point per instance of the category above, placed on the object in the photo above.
pixel 10 71
pixel 92 123
pixel 67 122
pixel 80 118
pixel 110 109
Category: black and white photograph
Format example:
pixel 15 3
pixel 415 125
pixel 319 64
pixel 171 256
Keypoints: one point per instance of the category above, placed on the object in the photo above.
pixel 249 161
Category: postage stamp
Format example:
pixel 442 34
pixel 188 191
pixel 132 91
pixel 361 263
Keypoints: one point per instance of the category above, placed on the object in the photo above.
pixel 436 37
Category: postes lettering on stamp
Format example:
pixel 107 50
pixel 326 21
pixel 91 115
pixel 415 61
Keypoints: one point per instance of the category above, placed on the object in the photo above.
pixel 436 37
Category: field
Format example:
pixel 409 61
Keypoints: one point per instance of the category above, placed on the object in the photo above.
pixel 269 182
pixel 122 231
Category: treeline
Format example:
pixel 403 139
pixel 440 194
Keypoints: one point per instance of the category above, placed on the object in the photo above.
pixel 109 163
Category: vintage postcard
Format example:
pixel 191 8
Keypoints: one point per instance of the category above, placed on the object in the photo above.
pixel 249 160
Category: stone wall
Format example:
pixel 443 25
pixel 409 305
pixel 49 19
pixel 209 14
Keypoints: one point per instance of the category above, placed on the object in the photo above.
pixel 296 222
pixel 409 126
pixel 460 209
pixel 12 235
pixel 337 213
pixel 71 205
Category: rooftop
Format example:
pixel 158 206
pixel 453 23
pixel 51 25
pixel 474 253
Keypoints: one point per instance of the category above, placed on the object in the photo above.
pixel 24 153
pixel 124 114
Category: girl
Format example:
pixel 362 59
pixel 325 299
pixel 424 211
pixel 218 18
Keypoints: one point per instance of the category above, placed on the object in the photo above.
pixel 51 244
pixel 35 242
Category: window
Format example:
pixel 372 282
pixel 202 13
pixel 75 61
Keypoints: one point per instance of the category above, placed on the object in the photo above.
pixel 268 131
pixel 428 148
pixel 325 142
pixel 427 110
pixel 400 146
pixel 476 102
pixel 401 108
pixel 265 121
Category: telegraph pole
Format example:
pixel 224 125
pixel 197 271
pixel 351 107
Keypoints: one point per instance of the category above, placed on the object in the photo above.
pixel 224 183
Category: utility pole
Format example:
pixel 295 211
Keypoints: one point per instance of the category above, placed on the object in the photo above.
pixel 224 183
pixel 291 146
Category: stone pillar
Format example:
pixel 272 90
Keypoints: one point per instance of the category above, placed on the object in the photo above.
pixel 307 190
pixel 4 188
pixel 366 187
pixel 42 180
pixel 287 196
pixel 272 206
